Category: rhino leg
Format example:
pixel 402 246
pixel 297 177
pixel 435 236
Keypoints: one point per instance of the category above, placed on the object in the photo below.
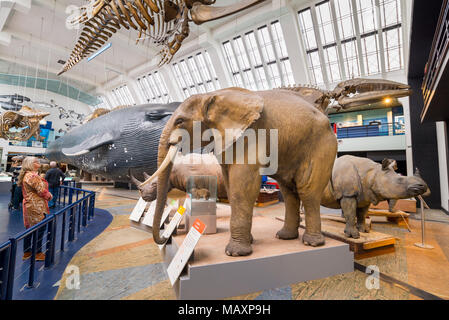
pixel 290 229
pixel 349 208
pixel 361 220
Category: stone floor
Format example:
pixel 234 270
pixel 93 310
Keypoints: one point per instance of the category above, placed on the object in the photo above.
pixel 124 262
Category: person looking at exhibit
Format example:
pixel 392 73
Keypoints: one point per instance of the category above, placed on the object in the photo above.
pixel 35 206
pixel 16 191
pixel 55 177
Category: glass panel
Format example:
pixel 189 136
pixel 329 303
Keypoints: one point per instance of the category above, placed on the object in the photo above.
pixel 323 12
pixel 332 64
pixel 367 16
pixel 390 11
pixel 317 72
pixel 351 59
pixel 230 57
pixel 240 53
pixel 370 54
pixel 253 50
pixel 261 78
pixel 306 26
pixel 393 49
pixel 265 44
pixel 278 40
pixel 273 73
pixel 344 16
pixel 287 72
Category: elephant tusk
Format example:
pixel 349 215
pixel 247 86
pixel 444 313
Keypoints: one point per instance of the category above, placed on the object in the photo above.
pixel 168 158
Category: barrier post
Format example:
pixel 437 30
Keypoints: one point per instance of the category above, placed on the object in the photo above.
pixel 423 244
pixel 72 225
pixel 71 196
pixel 11 270
pixel 48 247
pixel 5 256
pixel 79 216
pixel 33 259
pixel 63 230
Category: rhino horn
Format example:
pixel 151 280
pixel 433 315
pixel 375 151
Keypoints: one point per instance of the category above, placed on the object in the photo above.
pixel 146 175
pixel 133 179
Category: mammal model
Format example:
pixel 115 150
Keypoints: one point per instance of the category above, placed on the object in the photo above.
pixel 111 144
pixel 357 183
pixel 193 164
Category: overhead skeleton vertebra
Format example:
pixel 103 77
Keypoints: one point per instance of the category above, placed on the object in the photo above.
pixel 164 22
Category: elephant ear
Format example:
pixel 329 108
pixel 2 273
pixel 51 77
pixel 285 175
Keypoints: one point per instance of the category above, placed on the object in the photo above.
pixel 231 112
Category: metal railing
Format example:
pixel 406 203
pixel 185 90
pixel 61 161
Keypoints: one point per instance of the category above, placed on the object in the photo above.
pixel 438 54
pixel 374 130
pixel 78 210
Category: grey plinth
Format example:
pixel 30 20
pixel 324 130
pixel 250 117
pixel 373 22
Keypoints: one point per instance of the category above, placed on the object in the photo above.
pixel 274 263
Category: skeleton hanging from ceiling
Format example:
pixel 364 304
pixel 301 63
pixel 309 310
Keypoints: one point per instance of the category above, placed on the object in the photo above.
pixel 25 123
pixel 164 22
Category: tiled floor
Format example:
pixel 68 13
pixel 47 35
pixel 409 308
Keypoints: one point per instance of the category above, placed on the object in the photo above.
pixel 124 262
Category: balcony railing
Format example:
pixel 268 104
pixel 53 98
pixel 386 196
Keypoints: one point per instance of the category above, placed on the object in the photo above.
pixel 60 229
pixel 437 57
pixel 374 130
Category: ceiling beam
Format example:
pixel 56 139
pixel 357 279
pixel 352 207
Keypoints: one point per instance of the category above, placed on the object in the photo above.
pixel 54 47
pixel 126 41
pixel 46 68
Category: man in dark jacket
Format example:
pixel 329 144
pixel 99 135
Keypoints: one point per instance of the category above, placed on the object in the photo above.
pixel 54 177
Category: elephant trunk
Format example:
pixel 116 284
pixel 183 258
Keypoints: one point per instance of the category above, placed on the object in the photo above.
pixel 166 156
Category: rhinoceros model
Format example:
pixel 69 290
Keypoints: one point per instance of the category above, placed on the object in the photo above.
pixel 193 164
pixel 356 183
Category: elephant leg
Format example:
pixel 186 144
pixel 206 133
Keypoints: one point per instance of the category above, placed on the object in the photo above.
pixel 349 208
pixel 242 198
pixel 290 229
pixel 361 220
pixel 312 236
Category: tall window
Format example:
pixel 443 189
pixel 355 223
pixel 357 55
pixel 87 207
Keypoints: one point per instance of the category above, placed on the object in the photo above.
pixel 196 74
pixel 103 104
pixel 123 96
pixel 153 88
pixel 258 59
pixel 351 38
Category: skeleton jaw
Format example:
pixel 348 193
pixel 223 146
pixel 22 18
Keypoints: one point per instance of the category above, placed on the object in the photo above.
pixel 359 92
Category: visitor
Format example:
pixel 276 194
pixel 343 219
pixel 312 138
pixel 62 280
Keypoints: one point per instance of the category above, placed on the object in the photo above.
pixel 35 197
pixel 55 177
pixel 16 191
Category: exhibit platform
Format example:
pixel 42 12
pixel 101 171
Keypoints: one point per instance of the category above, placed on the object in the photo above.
pixel 211 274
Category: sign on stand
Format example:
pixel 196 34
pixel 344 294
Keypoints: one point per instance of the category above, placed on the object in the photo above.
pixel 185 251
pixel 173 224
pixel 138 210
pixel 149 216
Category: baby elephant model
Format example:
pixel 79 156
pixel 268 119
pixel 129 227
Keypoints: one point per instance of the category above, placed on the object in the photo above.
pixel 358 182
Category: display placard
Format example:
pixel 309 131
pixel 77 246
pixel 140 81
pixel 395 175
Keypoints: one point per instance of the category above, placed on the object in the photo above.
pixel 138 210
pixel 149 216
pixel 173 224
pixel 185 250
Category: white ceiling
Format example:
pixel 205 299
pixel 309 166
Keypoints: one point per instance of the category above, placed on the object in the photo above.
pixel 38 38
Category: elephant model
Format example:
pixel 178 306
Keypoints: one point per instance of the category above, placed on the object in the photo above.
pixel 306 150
pixel 193 164
pixel 357 183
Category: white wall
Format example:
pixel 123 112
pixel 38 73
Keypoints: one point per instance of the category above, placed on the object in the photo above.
pixel 389 143
pixel 37 95
pixel 442 161
pixel 40 96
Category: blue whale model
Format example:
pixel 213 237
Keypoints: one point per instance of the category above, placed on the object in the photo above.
pixel 112 144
